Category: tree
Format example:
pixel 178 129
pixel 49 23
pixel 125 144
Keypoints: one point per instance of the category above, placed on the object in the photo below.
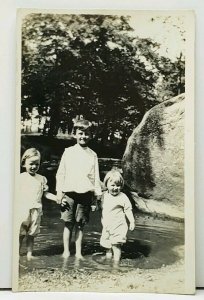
pixel 171 80
pixel 91 65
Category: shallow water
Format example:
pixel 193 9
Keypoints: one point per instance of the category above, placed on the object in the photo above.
pixel 150 245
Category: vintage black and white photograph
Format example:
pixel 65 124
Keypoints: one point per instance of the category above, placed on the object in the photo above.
pixel 104 100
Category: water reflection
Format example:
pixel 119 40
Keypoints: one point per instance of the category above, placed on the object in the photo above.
pixel 150 245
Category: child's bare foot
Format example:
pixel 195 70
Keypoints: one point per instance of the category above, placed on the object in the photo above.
pixel 116 264
pixel 65 254
pixel 79 256
pixel 109 255
pixel 30 257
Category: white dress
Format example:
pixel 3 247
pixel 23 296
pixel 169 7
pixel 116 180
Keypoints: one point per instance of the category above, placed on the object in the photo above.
pixel 113 219
pixel 31 189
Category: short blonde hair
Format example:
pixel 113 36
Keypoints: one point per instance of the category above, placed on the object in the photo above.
pixel 28 154
pixel 114 175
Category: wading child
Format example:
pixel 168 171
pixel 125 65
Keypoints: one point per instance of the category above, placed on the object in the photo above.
pixel 77 182
pixel 115 208
pixel 32 187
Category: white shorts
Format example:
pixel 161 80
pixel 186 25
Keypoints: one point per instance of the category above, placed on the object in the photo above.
pixel 113 235
pixel 31 226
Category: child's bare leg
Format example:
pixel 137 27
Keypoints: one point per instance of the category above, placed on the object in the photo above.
pixel 67 234
pixel 30 243
pixel 109 253
pixel 78 242
pixel 116 252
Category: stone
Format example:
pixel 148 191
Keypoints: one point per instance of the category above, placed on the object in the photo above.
pixel 153 162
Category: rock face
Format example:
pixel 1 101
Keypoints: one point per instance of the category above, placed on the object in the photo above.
pixel 153 162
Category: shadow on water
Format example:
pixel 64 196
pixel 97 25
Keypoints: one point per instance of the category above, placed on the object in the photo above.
pixel 150 245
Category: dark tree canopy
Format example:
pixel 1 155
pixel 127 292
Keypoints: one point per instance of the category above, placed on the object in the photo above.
pixel 94 65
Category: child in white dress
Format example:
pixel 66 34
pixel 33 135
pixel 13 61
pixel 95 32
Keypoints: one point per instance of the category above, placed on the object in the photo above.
pixel 116 207
pixel 32 187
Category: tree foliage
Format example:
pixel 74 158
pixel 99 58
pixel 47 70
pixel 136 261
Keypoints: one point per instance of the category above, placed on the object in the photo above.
pixel 93 65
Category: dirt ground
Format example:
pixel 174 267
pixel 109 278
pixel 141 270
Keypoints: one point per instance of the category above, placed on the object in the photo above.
pixel 167 279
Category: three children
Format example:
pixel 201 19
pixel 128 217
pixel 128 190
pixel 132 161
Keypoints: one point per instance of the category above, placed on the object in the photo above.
pixel 78 188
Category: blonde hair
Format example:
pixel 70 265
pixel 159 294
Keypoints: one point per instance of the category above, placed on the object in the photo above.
pixel 28 154
pixel 114 175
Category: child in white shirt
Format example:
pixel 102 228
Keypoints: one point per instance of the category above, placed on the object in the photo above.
pixel 115 208
pixel 77 182
pixel 32 187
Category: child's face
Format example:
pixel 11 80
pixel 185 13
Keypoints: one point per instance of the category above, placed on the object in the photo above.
pixel 83 137
pixel 113 187
pixel 32 165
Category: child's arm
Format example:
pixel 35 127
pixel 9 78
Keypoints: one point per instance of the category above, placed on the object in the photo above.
pixel 50 196
pixel 131 219
pixel 97 187
pixel 60 179
pixel 129 214
pixel 47 194
pixel 96 203
pixel 59 197
pixel 97 182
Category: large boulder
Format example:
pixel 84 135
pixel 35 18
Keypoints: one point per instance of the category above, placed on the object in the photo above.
pixel 153 162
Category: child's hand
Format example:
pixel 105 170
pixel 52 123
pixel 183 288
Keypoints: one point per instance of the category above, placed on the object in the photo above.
pixel 64 204
pixel 64 201
pixel 93 207
pixel 132 226
pixel 96 205
pixel 59 197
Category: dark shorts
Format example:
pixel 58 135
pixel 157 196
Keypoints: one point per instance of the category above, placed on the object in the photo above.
pixel 77 209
